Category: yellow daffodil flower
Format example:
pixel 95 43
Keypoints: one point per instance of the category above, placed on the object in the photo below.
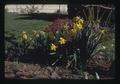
pixel 24 32
pixel 53 47
pixel 77 26
pixel 102 31
pixel 34 33
pixel 37 35
pixel 73 30
pixel 77 18
pixel 65 26
pixel 62 40
pixel 104 47
pixel 24 35
pixel 81 21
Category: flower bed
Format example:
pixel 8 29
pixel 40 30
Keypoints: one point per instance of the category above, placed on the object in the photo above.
pixel 70 43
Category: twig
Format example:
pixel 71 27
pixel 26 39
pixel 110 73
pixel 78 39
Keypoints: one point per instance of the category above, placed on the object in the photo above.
pixel 105 7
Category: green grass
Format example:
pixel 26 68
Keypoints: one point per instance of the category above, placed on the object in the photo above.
pixel 14 26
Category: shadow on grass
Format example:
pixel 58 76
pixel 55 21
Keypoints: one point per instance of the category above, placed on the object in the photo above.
pixel 42 16
pixel 11 39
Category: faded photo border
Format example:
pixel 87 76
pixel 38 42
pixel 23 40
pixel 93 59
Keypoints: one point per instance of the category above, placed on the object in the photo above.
pixel 2 43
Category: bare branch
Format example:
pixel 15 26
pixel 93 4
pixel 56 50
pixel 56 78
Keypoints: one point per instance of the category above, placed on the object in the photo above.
pixel 105 7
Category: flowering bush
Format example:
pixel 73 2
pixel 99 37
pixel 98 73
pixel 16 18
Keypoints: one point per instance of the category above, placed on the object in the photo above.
pixel 64 42
pixel 75 40
pixel 59 24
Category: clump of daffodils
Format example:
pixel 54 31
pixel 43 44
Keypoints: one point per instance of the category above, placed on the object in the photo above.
pixel 54 47
pixel 78 23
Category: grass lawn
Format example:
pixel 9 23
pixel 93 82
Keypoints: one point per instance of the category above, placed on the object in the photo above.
pixel 14 26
